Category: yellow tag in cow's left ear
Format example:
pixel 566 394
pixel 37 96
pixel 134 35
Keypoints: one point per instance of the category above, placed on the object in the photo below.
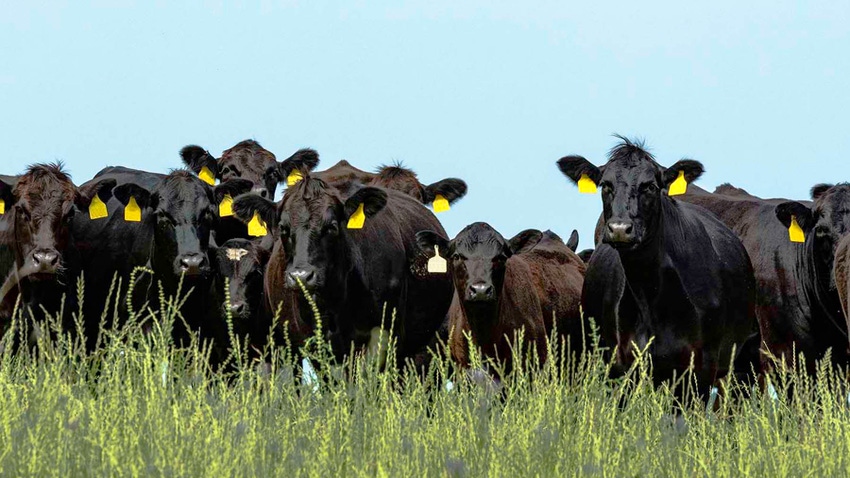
pixel 795 232
pixel 436 264
pixel 225 207
pixel 294 177
pixel 256 226
pixel 132 211
pixel 679 186
pixel 440 203
pixel 2 207
pixel 207 176
pixel 586 185
pixel 357 219
pixel 97 208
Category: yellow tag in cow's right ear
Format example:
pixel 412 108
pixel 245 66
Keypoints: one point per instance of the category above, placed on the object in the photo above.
pixel 436 264
pixel 256 226
pixel 357 219
pixel 97 208
pixel 586 185
pixel 440 203
pixel 132 211
pixel 795 232
pixel 225 207
pixel 207 176
pixel 294 177
pixel 2 207
pixel 679 186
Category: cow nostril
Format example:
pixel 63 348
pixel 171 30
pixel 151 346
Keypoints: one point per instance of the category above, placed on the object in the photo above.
pixel 263 192
pixel 237 308
pixel 305 276
pixel 45 258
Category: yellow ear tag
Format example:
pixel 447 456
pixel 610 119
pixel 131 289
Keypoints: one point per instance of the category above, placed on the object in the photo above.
pixel 97 208
pixel 436 264
pixel 795 232
pixel 2 207
pixel 357 219
pixel 132 211
pixel 294 177
pixel 207 176
pixel 679 186
pixel 256 226
pixel 225 207
pixel 586 185
pixel 440 203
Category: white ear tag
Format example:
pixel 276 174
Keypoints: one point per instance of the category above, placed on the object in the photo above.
pixel 436 264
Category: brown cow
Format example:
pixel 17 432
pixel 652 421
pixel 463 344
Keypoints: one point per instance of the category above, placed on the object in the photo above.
pixel 38 257
pixel 501 287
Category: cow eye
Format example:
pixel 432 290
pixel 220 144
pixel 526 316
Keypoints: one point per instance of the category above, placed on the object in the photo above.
pixel 25 213
pixel 606 187
pixel 284 230
pixel 457 257
pixel 821 231
pixel 648 187
pixel 332 228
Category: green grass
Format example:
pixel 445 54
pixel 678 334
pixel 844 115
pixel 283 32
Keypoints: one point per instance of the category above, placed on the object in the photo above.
pixel 140 406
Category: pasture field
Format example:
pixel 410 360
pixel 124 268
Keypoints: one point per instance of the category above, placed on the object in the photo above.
pixel 140 406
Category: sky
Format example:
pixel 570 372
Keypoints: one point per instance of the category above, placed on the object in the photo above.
pixel 492 92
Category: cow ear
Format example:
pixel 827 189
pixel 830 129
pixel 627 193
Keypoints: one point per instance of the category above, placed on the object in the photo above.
pixel 6 195
pixel 802 215
pixel 690 169
pixel 102 189
pixel 197 158
pixel 819 189
pixel 372 199
pixel 232 188
pixel 426 240
pixel 246 205
pixel 524 241
pixel 143 197
pixel 304 160
pixel 572 242
pixel 585 255
pixel 451 189
pixel 575 167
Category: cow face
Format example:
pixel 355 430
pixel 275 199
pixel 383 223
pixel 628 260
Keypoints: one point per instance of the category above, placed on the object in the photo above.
pixel 42 204
pixel 312 223
pixel 246 160
pixel 823 225
pixel 182 210
pixel 242 262
pixel 478 258
pixel 633 186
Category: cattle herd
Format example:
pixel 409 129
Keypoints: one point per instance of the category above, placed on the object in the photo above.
pixel 725 282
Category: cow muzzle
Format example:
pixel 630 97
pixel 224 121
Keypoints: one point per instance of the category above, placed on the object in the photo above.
pixel 307 277
pixel 480 292
pixel 45 261
pixel 192 264
pixel 620 233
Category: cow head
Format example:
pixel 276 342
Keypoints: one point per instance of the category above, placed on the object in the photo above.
pixel 243 263
pixel 182 211
pixel 312 221
pixel 246 160
pixel 41 205
pixel 404 180
pixel 823 225
pixel 477 258
pixel 633 189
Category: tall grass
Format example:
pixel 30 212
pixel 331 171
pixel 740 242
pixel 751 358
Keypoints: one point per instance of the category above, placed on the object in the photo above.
pixel 142 406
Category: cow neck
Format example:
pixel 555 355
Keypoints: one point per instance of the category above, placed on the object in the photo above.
pixel 823 300
pixel 483 320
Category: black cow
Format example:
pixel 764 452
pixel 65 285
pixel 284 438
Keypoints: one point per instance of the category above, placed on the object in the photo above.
pixel 352 273
pixel 796 302
pixel 242 262
pixel 247 160
pixel 172 237
pixel 666 269
pixel 38 257
pixel 503 286
pixel 841 273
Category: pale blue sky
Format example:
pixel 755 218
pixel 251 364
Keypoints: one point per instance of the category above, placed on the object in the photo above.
pixel 491 92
